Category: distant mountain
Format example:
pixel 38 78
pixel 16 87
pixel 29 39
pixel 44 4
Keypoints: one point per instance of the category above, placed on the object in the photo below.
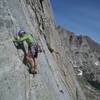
pixel 85 53
pixel 93 45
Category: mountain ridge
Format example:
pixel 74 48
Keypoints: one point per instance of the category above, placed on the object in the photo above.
pixel 92 43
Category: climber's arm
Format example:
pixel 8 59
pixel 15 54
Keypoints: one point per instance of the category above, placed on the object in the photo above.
pixel 21 38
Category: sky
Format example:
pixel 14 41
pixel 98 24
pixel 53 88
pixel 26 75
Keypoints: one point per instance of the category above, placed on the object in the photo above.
pixel 78 16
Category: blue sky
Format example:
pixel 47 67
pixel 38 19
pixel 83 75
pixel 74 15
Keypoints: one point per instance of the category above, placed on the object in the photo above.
pixel 78 16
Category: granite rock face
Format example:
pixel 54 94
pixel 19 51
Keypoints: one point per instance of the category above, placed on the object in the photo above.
pixel 34 16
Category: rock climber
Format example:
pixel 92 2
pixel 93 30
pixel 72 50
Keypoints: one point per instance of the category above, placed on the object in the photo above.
pixel 33 48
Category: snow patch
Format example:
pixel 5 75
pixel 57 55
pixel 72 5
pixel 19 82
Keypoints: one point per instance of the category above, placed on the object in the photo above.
pixel 97 63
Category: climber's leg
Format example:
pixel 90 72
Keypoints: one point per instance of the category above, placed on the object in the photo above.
pixel 34 50
pixel 34 68
pixel 31 61
pixel 35 64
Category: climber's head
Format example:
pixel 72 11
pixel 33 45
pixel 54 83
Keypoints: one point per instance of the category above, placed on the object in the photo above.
pixel 21 33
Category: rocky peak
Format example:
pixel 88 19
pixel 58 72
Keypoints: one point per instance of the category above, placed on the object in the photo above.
pixel 93 45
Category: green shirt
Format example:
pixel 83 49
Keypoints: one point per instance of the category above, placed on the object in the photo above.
pixel 28 38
